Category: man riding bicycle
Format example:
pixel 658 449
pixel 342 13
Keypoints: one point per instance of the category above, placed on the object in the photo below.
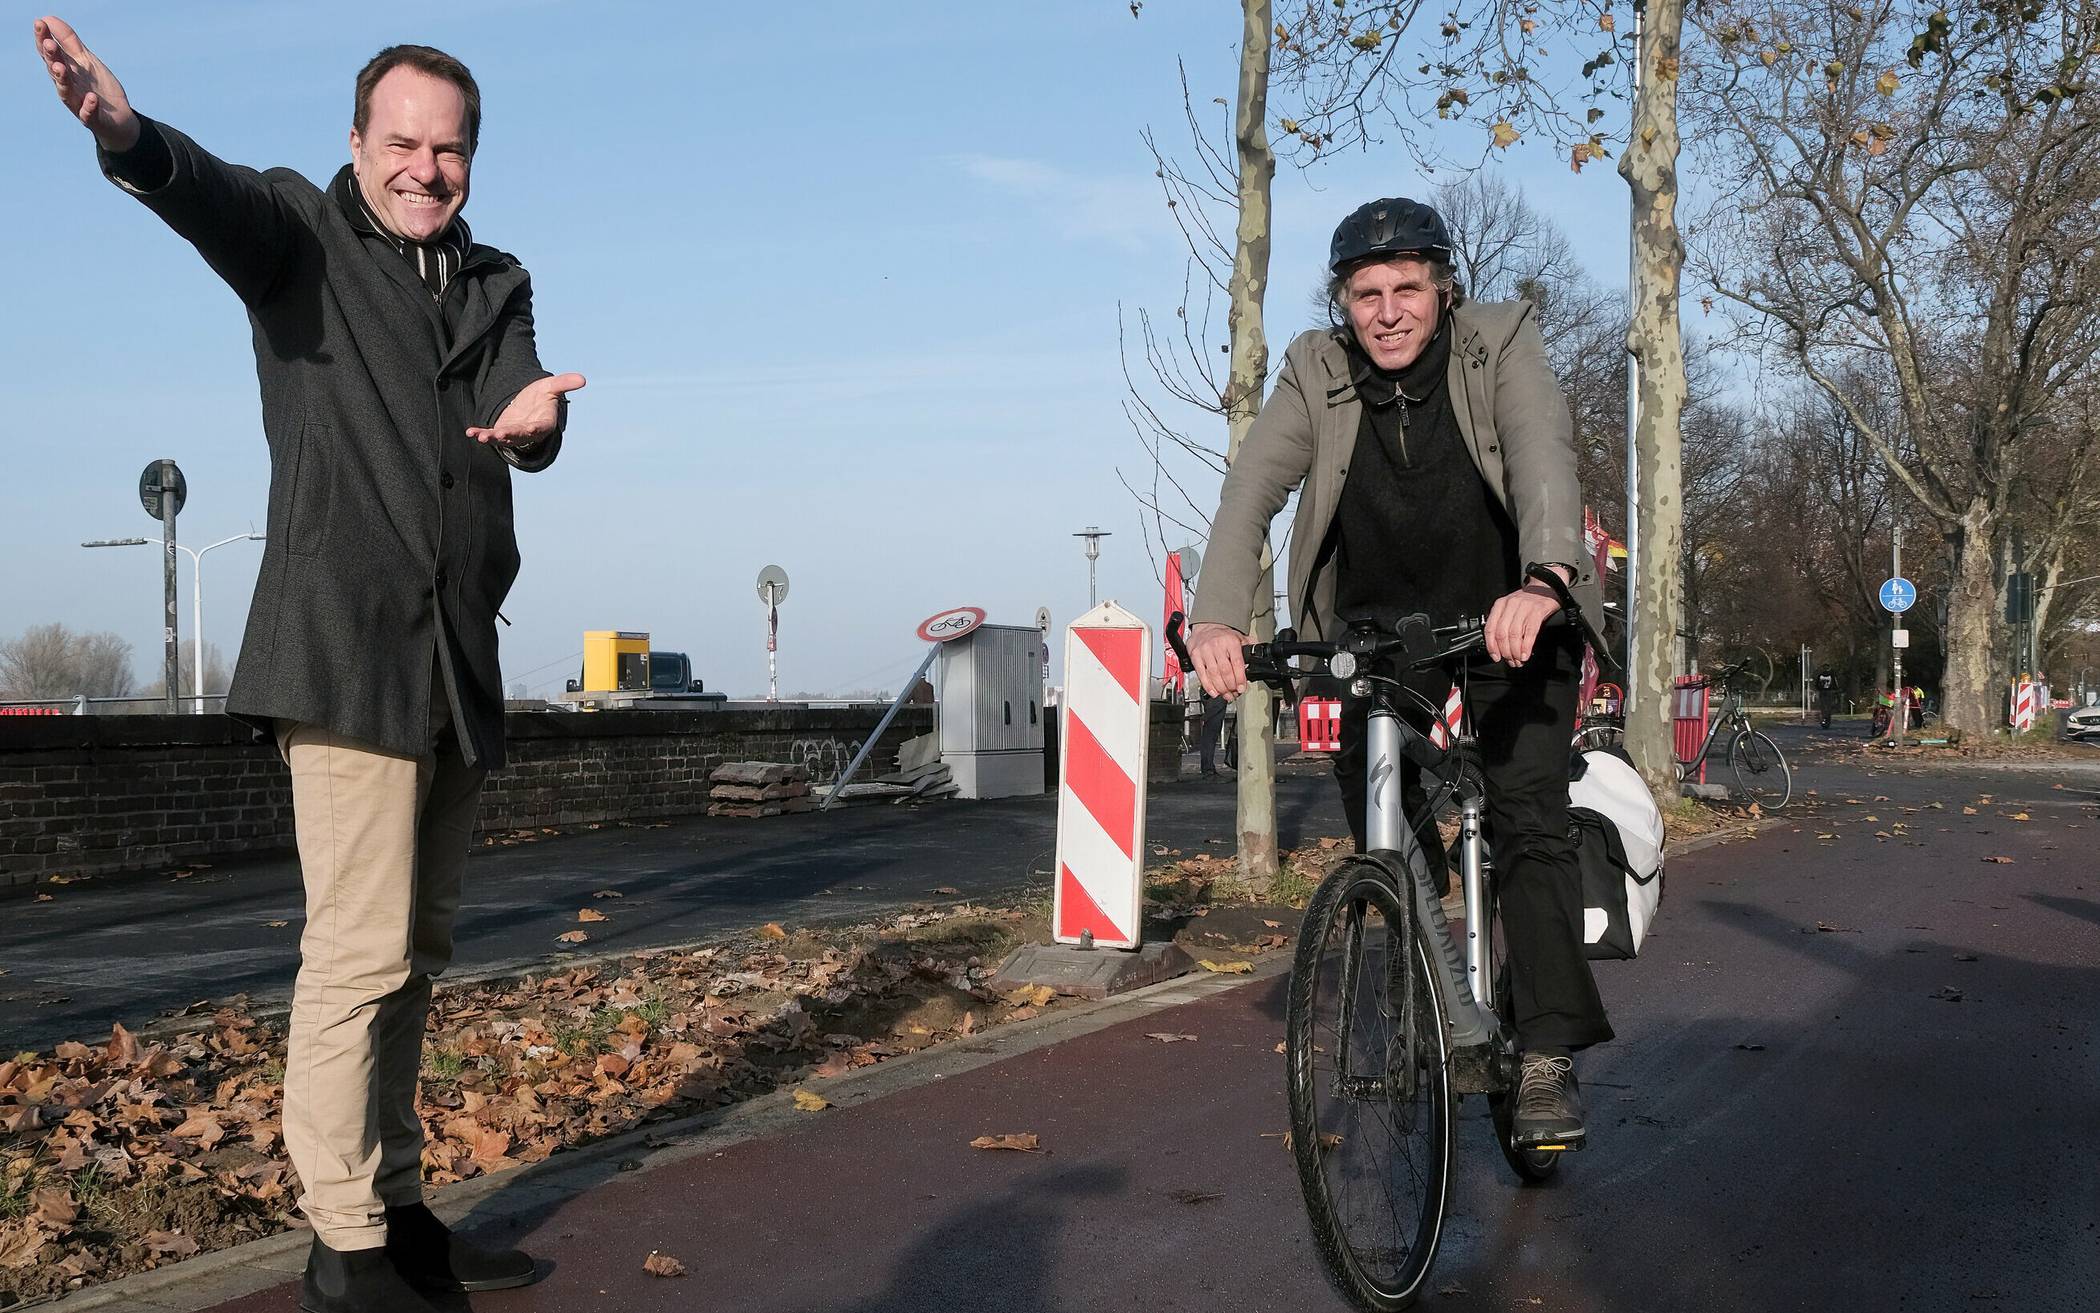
pixel 1433 454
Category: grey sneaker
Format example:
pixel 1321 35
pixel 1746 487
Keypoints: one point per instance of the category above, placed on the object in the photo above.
pixel 1549 1104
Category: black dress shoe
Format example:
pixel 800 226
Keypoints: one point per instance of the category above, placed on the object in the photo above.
pixel 356 1281
pixel 426 1252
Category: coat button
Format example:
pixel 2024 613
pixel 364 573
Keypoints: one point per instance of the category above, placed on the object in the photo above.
pixel 445 479
pixel 1491 447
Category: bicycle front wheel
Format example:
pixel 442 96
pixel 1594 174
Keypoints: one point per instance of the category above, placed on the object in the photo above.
pixel 1599 735
pixel 1760 770
pixel 1370 1094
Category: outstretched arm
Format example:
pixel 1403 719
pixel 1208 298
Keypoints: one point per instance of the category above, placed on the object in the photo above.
pixel 86 86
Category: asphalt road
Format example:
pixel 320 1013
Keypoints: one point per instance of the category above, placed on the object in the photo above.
pixel 131 948
pixel 1852 1072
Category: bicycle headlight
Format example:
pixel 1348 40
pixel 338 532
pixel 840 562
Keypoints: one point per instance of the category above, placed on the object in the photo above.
pixel 1342 665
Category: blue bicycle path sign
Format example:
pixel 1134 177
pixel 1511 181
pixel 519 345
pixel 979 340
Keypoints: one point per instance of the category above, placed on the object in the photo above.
pixel 1898 595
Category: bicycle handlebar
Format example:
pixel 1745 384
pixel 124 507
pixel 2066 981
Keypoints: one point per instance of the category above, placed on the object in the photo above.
pixel 1413 637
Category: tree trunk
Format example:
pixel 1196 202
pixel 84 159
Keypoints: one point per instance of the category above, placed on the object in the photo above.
pixel 1250 369
pixel 1969 699
pixel 1655 340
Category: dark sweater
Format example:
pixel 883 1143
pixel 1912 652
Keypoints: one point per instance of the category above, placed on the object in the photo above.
pixel 1417 527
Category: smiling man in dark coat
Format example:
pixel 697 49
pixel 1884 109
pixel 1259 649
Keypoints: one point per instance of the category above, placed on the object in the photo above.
pixel 400 388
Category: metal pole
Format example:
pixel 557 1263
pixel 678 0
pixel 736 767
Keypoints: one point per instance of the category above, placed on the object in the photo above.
pixel 772 647
pixel 887 716
pixel 1633 419
pixel 197 628
pixel 1901 713
pixel 170 640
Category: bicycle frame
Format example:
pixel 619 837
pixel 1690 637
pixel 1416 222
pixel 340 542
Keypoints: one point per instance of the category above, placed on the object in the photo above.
pixel 1731 715
pixel 1465 976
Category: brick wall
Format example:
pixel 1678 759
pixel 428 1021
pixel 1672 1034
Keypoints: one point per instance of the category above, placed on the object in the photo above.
pixel 90 795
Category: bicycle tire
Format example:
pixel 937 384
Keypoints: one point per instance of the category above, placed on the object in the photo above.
pixel 1760 769
pixel 1592 737
pixel 1376 1199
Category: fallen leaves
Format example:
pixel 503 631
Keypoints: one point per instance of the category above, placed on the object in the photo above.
pixel 662 1265
pixel 588 914
pixel 571 937
pixel 772 930
pixel 1023 1143
pixel 1168 1037
pixel 1226 968
pixel 1032 996
pixel 2001 861
pixel 810 1101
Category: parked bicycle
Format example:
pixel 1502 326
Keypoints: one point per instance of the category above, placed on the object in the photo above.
pixel 1391 1019
pixel 1759 767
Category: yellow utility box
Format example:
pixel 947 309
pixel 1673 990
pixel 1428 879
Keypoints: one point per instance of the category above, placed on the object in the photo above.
pixel 615 661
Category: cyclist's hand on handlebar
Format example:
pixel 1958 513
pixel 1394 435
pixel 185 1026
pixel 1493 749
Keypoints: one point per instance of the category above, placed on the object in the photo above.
pixel 1219 662
pixel 1513 625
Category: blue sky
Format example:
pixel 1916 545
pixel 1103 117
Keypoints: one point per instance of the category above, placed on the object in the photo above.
pixel 844 279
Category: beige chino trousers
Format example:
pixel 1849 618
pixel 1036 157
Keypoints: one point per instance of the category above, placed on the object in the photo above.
pixel 383 842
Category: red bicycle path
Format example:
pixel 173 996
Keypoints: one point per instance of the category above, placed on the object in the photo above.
pixel 1797 1114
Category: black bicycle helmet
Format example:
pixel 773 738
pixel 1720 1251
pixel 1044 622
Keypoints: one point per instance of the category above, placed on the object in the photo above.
pixel 1394 226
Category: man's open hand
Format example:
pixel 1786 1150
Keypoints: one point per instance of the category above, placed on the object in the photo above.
pixel 86 86
pixel 533 416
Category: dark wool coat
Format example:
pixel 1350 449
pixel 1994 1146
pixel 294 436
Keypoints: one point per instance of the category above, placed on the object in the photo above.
pixel 389 528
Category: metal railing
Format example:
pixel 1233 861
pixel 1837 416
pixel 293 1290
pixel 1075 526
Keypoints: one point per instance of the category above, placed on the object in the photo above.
pixel 82 705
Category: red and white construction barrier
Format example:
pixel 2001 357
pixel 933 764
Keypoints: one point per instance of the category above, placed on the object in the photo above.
pixel 1101 783
pixel 1319 725
pixel 1445 732
pixel 2023 705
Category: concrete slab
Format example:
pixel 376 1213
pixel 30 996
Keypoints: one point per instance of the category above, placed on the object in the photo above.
pixel 1091 972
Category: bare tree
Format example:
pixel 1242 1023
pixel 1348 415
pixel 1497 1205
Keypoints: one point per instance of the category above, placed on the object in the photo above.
pixel 51 661
pixel 216 675
pixel 1910 192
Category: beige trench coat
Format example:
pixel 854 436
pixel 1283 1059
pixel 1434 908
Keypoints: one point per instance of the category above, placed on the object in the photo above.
pixel 1510 411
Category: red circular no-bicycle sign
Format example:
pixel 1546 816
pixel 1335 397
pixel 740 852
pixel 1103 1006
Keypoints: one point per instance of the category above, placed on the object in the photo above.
pixel 950 625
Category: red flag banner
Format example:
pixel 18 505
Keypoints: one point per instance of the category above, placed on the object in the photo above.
pixel 1175 591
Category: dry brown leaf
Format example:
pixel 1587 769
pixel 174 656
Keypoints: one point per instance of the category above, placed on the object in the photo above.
pixel 1273 925
pixel 169 1244
pixel 1018 1143
pixel 588 914
pixel 20 1243
pixel 2002 861
pixel 1227 968
pixel 608 893
pixel 811 1101
pixel 55 1207
pixel 771 930
pixel 276 925
pixel 1034 996
pixel 1967 810
pixel 947 890
pixel 1168 1037
pixel 571 937
pixel 2021 816
pixel 662 1265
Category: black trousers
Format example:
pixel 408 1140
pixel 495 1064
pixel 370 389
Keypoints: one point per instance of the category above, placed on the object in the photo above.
pixel 1523 719
pixel 1207 732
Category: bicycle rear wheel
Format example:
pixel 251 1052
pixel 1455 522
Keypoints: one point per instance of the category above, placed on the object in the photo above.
pixel 1760 770
pixel 1370 1096
pixel 1598 735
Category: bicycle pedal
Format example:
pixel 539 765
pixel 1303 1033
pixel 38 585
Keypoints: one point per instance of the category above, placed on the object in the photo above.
pixel 1557 1146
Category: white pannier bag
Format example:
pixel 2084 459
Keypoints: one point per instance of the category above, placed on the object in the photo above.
pixel 1618 833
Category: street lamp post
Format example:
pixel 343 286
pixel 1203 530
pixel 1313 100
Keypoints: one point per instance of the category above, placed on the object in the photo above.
pixel 1093 536
pixel 196 602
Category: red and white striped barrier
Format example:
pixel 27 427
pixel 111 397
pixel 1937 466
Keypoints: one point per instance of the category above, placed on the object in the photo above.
pixel 2023 705
pixel 1101 783
pixel 1445 732
pixel 1319 725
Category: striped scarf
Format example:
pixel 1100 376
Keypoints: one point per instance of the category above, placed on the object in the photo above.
pixel 435 262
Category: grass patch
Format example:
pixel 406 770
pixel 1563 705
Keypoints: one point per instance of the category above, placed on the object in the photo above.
pixel 444 1066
